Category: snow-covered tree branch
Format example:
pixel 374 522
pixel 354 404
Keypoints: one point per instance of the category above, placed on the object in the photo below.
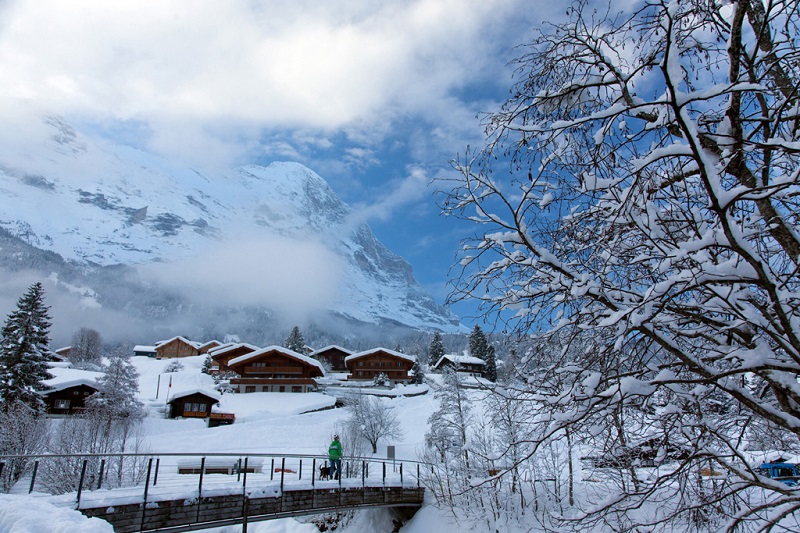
pixel 642 187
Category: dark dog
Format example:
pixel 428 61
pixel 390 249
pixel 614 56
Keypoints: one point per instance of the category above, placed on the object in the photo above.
pixel 324 472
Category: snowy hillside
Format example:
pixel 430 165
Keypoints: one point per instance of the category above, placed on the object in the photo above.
pixel 105 204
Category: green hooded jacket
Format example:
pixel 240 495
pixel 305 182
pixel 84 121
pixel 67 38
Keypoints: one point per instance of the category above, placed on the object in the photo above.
pixel 335 450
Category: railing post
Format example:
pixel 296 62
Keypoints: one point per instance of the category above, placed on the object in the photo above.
pixel 146 486
pixel 272 469
pixel 363 471
pixel 102 473
pixel 80 483
pixel 200 486
pixel 155 474
pixel 300 470
pixel 283 467
pixel 401 474
pixel 33 476
pixel 313 471
pixel 2 465
pixel 239 470
pixel 418 480
pixel 384 474
pixel 245 506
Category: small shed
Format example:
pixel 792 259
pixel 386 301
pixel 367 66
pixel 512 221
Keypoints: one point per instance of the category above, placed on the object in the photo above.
pixel 193 403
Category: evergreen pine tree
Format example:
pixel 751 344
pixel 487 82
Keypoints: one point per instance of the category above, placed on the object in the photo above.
pixel 436 349
pixel 478 345
pixel 418 376
pixel 490 370
pixel 295 341
pixel 25 339
pixel 207 362
pixel 116 391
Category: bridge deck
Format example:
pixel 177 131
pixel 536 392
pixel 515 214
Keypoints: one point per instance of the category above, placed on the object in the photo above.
pixel 186 514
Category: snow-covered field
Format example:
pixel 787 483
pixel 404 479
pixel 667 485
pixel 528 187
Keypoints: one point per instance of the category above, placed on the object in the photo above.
pixel 265 423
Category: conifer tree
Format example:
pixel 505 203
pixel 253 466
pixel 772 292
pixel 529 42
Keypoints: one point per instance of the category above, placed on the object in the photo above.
pixel 295 341
pixel 418 376
pixel 25 339
pixel 436 350
pixel 490 370
pixel 478 345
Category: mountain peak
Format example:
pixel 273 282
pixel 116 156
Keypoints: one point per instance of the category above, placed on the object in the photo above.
pixel 107 204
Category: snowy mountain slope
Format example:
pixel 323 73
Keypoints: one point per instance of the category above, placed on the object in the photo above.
pixel 280 225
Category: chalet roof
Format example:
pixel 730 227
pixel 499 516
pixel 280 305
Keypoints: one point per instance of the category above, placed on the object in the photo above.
pixel 202 345
pixel 226 349
pixel 182 339
pixel 64 349
pixel 280 349
pixel 221 347
pixel 144 348
pixel 65 378
pixel 460 359
pixel 214 395
pixel 331 347
pixel 373 351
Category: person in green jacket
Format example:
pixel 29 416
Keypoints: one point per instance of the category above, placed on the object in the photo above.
pixel 335 456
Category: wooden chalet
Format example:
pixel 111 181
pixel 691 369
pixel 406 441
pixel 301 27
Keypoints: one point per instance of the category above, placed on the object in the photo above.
pixel 275 369
pixel 176 347
pixel 192 403
pixel 332 355
pixel 66 394
pixel 474 366
pixel 221 356
pixel 64 352
pixel 364 366
pixel 206 347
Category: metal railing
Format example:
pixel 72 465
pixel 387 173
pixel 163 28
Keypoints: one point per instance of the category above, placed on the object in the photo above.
pixel 159 476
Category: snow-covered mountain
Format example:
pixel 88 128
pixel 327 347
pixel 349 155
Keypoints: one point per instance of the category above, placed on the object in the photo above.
pixel 228 234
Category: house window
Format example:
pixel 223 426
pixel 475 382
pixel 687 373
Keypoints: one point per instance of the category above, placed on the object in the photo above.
pixel 282 389
pixel 360 373
pixel 265 388
pixel 76 393
pixel 399 364
pixel 380 364
pixel 296 388
pixel 361 363
pixel 62 404
pixel 250 388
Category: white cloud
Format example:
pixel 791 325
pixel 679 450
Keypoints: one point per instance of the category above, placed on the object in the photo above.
pixel 400 194
pixel 294 277
pixel 187 67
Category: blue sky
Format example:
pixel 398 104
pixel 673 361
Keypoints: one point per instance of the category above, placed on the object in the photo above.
pixel 375 96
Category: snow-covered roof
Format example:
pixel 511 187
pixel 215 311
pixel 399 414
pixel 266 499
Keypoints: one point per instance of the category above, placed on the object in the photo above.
pixel 279 349
pixel 221 347
pixel 64 349
pixel 461 360
pixel 197 390
pixel 65 378
pixel 182 339
pixel 144 348
pixel 232 347
pixel 331 347
pixel 365 353
pixel 202 345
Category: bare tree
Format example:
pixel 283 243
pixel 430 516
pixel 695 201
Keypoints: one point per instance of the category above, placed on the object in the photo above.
pixel 651 201
pixel 375 419
pixel 86 347
pixel 23 431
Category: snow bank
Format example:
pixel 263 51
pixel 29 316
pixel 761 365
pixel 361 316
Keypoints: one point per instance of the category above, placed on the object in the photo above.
pixel 23 514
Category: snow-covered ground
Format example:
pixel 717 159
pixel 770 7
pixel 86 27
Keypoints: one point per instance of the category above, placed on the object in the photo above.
pixel 265 423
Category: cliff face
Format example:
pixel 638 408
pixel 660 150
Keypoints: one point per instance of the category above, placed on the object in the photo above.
pixel 99 205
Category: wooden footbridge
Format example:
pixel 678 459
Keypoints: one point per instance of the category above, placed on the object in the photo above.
pixel 186 492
